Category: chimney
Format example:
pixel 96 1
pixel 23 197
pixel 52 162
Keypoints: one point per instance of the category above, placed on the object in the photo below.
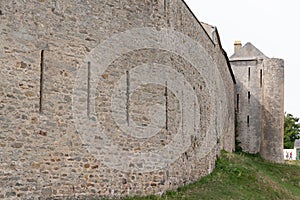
pixel 237 45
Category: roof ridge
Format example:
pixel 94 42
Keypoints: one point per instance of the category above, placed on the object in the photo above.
pixel 248 52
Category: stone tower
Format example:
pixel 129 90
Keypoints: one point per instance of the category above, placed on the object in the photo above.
pixel 259 101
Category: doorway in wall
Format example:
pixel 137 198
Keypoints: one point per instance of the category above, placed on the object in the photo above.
pixel 297 154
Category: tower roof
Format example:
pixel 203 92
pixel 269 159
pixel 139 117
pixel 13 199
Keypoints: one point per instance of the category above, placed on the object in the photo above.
pixel 248 52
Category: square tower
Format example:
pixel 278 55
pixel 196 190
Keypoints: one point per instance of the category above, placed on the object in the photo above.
pixel 259 101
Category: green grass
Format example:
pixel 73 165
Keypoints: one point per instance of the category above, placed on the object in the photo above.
pixel 241 176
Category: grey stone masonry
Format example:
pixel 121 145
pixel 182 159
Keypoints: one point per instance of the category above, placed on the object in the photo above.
pixel 259 102
pixel 273 110
pixel 109 98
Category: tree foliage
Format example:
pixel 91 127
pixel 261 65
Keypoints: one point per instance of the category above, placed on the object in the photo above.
pixel 291 130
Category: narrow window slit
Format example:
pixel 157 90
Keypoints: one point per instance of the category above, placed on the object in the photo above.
pixel 88 88
pixel 248 121
pixel 166 95
pixel 165 7
pixel 249 73
pixel 261 77
pixel 127 96
pixel 195 128
pixel 249 96
pixel 182 116
pixel 237 102
pixel 42 66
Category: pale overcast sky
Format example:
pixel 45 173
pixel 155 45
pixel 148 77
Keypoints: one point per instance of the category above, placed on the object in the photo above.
pixel 270 25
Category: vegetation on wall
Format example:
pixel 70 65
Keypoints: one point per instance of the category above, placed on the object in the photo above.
pixel 291 130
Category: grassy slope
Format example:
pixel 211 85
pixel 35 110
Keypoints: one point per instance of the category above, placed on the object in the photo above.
pixel 242 176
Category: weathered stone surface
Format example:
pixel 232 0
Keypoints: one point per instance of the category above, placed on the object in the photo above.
pixel 54 158
pixel 273 110
pixel 259 102
pixel 17 145
pixel 46 192
pixel 10 194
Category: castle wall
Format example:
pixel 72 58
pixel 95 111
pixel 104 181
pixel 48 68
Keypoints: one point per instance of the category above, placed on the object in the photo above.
pixel 273 110
pixel 109 98
pixel 248 103
pixel 259 105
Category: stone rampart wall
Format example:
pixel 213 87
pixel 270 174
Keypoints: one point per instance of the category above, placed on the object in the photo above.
pixel 108 98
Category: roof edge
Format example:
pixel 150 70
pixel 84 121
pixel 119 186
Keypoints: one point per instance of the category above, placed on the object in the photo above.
pixel 198 21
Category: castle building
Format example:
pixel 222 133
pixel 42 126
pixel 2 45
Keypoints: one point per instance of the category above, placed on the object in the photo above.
pixel 259 101
pixel 292 154
pixel 118 98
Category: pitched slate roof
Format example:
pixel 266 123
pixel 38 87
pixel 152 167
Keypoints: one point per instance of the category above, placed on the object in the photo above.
pixel 248 52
